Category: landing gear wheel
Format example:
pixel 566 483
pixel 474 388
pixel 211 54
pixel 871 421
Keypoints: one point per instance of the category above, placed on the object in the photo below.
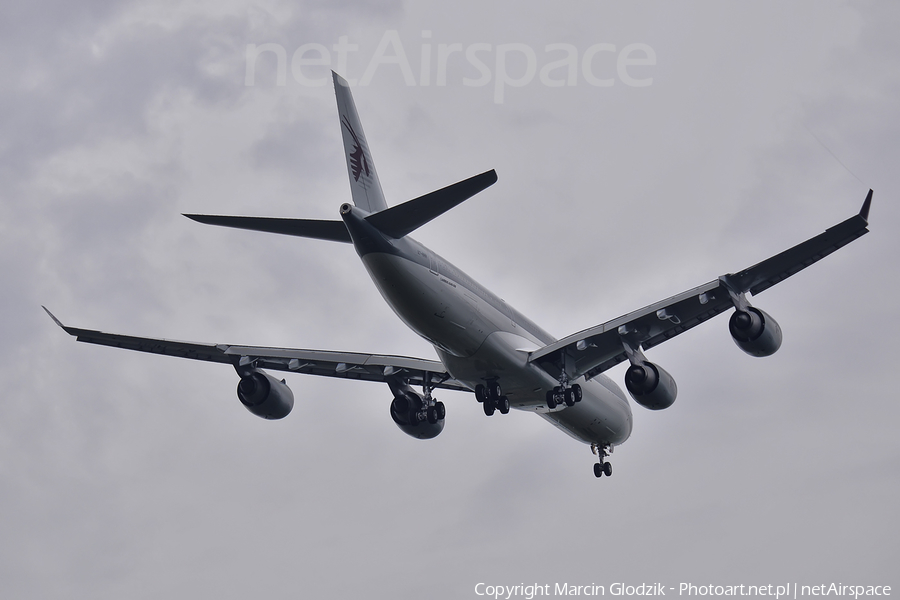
pixel 601 467
pixel 569 397
pixel 431 415
pixel 577 393
pixel 493 390
pixel 488 408
pixel 480 393
pixel 440 410
pixel 551 399
pixel 503 405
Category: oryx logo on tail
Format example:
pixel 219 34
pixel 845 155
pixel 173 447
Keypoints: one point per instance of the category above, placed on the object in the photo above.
pixel 358 161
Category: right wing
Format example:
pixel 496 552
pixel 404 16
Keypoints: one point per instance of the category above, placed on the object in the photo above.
pixel 594 350
pixel 346 365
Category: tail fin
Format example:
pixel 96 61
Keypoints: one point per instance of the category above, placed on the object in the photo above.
pixel 395 222
pixel 364 183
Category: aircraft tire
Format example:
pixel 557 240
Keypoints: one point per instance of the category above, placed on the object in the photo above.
pixel 607 469
pixel 598 470
pixel 551 399
pixel 488 408
pixel 503 405
pixel 480 393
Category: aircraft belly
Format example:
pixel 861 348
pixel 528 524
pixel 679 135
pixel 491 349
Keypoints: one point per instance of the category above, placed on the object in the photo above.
pixel 474 343
pixel 603 416
pixel 430 304
pixel 502 356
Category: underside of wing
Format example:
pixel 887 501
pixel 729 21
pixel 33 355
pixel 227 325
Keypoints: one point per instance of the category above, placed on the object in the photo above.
pixel 592 351
pixel 346 365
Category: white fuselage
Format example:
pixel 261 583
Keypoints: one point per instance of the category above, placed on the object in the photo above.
pixel 478 337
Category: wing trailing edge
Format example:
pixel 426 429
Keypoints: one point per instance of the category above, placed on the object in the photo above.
pixel 328 363
pixel 767 273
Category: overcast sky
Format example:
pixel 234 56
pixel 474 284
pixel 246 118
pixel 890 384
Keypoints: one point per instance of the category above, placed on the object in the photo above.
pixel 753 127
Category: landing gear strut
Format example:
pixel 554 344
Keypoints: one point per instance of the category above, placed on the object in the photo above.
pixel 431 409
pixel 602 467
pixel 492 398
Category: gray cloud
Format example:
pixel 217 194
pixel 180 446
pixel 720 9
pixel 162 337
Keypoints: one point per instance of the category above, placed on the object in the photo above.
pixel 130 475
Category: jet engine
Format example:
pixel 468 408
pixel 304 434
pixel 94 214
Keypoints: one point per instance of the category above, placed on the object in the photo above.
pixel 755 332
pixel 265 396
pixel 409 413
pixel 651 386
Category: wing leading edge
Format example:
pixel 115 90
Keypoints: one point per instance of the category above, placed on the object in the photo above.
pixel 594 350
pixel 345 365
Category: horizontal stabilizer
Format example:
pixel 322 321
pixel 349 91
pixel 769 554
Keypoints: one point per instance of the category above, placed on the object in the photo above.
pixel 405 218
pixel 334 231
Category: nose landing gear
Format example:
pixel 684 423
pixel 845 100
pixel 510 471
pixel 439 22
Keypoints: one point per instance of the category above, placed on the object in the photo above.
pixel 602 467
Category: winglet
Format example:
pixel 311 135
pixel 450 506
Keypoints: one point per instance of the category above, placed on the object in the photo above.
pixel 55 320
pixel 864 211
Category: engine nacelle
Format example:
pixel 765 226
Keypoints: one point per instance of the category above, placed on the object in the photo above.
pixel 405 409
pixel 755 332
pixel 651 386
pixel 265 396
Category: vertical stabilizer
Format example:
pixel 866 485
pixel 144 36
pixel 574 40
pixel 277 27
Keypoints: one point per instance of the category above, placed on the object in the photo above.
pixel 364 182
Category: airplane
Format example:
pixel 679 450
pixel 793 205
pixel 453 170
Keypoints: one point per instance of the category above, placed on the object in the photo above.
pixel 483 344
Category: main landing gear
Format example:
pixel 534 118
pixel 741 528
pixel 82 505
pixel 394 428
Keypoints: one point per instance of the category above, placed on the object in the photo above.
pixel 492 398
pixel 602 467
pixel 563 394
pixel 429 409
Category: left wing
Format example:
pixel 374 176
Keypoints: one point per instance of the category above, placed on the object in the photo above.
pixel 594 350
pixel 346 365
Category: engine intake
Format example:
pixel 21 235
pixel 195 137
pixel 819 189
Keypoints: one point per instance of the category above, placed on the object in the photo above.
pixel 651 386
pixel 755 332
pixel 265 396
